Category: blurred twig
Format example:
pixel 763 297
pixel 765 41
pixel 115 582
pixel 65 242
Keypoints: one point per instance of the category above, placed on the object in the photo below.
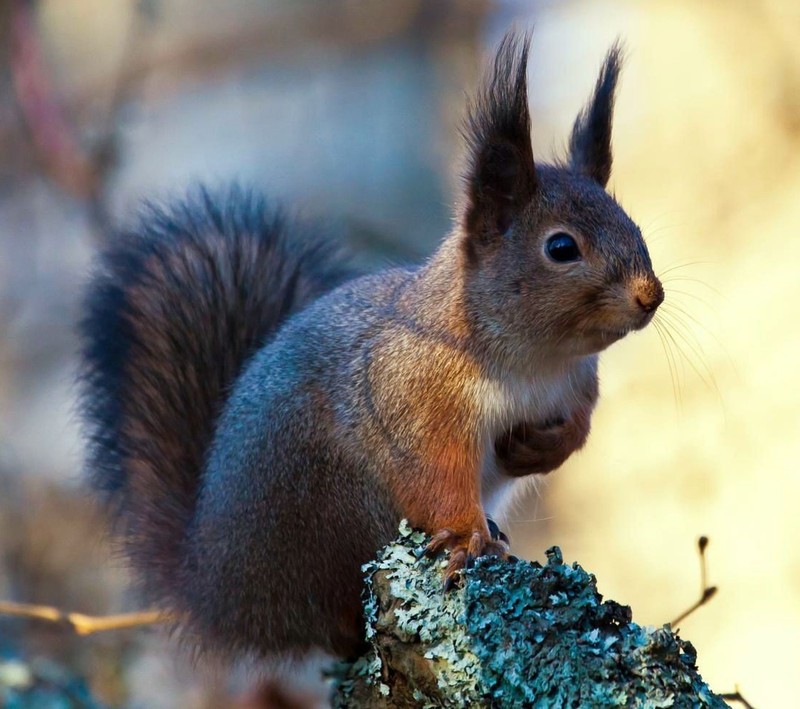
pixel 706 592
pixel 80 171
pixel 84 624
pixel 736 696
pixel 51 134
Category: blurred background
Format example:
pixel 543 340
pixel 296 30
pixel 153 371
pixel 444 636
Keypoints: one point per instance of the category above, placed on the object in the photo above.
pixel 350 110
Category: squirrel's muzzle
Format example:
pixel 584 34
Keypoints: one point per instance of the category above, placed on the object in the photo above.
pixel 647 293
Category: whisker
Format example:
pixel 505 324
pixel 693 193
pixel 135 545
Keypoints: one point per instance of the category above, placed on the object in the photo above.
pixel 668 356
pixel 656 223
pixel 682 264
pixel 673 279
pixel 679 312
pixel 654 234
pixel 679 363
pixel 688 294
pixel 532 520
pixel 685 334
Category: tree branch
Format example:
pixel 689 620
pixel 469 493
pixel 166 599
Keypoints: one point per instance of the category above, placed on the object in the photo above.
pixel 515 634
pixel 84 624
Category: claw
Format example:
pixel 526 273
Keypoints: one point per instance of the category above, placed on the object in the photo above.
pixel 476 545
pixel 494 530
pixel 455 565
pixel 439 542
pixel 449 583
pixel 496 533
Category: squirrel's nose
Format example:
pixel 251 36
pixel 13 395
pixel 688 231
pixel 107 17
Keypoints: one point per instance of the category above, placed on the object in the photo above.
pixel 649 294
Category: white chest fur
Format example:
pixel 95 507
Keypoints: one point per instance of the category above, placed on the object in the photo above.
pixel 505 401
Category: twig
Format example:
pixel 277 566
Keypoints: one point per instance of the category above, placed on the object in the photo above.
pixel 82 172
pixel 706 592
pixel 51 134
pixel 736 696
pixel 84 624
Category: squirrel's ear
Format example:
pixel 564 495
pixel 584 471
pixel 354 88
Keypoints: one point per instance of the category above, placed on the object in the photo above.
pixel 590 143
pixel 500 178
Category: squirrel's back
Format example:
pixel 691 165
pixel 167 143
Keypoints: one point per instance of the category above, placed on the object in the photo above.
pixel 176 306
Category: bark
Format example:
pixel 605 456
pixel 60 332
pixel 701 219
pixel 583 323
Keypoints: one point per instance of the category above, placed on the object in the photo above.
pixel 514 635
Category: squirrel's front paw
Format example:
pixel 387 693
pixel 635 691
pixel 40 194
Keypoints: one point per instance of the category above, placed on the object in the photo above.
pixel 529 448
pixel 464 549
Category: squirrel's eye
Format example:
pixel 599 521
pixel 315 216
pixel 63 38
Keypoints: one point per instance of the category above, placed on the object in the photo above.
pixel 561 247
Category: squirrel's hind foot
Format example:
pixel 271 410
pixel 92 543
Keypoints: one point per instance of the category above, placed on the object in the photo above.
pixel 465 548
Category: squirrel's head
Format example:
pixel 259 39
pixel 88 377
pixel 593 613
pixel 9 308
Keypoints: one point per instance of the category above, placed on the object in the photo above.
pixel 552 261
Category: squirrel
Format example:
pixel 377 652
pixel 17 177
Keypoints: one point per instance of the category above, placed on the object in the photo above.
pixel 260 417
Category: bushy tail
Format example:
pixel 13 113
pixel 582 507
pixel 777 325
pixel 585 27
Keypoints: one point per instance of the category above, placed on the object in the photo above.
pixel 175 308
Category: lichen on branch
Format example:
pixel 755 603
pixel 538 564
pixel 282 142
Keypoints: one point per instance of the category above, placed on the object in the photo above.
pixel 514 635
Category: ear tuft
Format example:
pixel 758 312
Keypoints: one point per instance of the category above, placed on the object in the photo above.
pixel 501 177
pixel 590 144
